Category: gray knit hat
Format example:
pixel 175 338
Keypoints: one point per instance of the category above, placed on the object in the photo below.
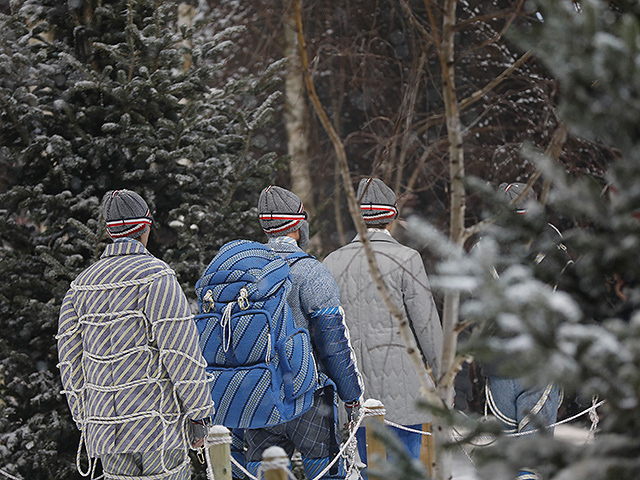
pixel 282 212
pixel 126 214
pixel 377 202
pixel 513 190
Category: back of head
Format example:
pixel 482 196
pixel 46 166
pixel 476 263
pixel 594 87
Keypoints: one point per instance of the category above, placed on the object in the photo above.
pixel 282 212
pixel 513 191
pixel 377 202
pixel 126 214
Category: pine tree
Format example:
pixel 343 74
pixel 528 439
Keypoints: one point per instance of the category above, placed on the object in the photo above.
pixel 99 95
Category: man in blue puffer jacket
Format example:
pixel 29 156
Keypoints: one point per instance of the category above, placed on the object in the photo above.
pixel 315 303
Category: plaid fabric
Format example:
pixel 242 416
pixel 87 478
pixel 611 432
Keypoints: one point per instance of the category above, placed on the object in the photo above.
pixel 129 358
pixel 171 465
pixel 309 433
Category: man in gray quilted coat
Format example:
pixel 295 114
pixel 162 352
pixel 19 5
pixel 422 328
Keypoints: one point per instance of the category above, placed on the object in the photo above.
pixel 130 363
pixel 387 371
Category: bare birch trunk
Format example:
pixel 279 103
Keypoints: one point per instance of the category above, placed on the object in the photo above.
pixel 186 14
pixel 449 364
pixel 296 122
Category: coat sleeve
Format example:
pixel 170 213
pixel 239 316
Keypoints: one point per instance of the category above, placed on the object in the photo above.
pixel 421 311
pixel 70 357
pixel 320 300
pixel 175 333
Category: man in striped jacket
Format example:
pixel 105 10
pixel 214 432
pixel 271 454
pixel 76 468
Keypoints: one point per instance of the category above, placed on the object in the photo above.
pixel 130 364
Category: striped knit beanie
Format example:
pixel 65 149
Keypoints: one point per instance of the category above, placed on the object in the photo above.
pixel 126 214
pixel 282 212
pixel 377 202
pixel 513 190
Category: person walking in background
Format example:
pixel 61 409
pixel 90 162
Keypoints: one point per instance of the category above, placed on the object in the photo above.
pixel 389 374
pixel 130 364
pixel 518 407
pixel 315 304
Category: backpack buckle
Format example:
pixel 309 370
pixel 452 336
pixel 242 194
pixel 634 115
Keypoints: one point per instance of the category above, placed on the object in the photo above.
pixel 207 301
pixel 243 301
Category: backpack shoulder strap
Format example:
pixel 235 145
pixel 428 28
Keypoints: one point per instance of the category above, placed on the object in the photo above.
pixel 297 256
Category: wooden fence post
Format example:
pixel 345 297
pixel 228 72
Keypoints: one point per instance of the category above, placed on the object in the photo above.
pixel 427 449
pixel 219 439
pixel 275 464
pixel 376 450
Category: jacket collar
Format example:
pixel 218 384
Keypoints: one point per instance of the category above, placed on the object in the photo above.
pixel 283 244
pixel 376 237
pixel 124 246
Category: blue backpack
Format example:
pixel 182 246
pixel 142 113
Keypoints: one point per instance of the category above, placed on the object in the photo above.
pixel 263 368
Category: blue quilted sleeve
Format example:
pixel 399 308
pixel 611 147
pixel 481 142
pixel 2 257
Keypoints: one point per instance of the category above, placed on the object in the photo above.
pixel 330 337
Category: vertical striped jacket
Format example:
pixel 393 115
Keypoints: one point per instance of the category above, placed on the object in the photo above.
pixel 129 359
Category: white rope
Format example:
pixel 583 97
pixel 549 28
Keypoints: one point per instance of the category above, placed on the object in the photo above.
pixel 242 469
pixel 217 440
pixel 124 283
pixel 8 475
pixel 364 412
pixel 592 415
pixel 562 422
pixel 402 427
pixel 207 456
pixel 278 463
pixel 595 419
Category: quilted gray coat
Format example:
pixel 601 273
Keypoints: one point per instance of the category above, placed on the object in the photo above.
pixel 387 371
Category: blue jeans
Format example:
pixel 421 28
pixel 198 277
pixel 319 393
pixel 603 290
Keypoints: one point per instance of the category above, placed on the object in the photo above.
pixel 522 410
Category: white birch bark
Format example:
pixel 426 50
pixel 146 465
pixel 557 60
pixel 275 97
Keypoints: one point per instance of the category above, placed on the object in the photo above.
pixel 450 314
pixel 296 119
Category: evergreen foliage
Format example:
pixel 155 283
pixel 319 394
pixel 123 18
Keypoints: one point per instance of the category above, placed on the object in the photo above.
pixel 584 335
pixel 100 95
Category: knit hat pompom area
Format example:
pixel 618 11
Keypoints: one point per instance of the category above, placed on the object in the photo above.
pixel 126 214
pixel 282 212
pixel 513 191
pixel 377 202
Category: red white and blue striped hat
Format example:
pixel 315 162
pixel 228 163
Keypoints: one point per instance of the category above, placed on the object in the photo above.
pixel 513 191
pixel 126 214
pixel 377 202
pixel 280 210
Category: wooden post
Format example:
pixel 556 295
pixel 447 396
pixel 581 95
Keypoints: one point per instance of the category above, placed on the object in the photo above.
pixel 427 449
pixel 275 464
pixel 219 439
pixel 376 450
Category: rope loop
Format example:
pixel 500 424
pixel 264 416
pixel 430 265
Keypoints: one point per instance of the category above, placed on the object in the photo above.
pixel 225 323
